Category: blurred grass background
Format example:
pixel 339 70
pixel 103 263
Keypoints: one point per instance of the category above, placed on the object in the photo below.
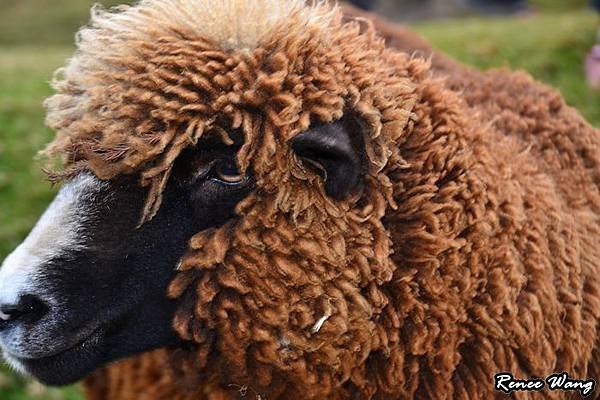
pixel 36 37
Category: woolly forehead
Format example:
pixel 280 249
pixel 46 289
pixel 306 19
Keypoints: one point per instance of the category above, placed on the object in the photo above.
pixel 148 81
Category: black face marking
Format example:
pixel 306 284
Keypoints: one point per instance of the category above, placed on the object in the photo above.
pixel 111 291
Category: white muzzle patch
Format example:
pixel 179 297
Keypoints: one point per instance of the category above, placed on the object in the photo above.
pixel 58 230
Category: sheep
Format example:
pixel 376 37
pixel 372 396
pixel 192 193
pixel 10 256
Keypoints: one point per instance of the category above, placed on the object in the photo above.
pixel 262 199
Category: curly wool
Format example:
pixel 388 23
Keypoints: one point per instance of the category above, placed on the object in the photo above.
pixel 472 248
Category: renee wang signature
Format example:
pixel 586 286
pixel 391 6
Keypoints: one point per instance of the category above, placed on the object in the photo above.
pixel 505 382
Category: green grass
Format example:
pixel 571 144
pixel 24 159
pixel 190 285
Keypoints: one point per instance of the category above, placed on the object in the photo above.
pixel 558 5
pixel 13 387
pixel 23 190
pixel 52 21
pixel 550 46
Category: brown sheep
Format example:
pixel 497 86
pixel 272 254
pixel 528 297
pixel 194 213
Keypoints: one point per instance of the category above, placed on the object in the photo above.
pixel 469 245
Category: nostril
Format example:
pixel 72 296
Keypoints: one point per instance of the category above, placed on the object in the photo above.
pixel 29 309
pixel 7 312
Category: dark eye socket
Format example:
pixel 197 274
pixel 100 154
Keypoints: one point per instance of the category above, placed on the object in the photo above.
pixel 226 171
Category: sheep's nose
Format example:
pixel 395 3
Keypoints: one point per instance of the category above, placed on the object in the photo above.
pixel 29 309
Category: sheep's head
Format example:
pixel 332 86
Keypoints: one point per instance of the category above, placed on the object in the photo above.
pixel 226 168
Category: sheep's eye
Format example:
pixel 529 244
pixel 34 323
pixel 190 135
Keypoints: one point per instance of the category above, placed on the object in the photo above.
pixel 227 172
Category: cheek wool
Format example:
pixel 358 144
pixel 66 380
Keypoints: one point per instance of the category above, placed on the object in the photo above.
pixel 472 247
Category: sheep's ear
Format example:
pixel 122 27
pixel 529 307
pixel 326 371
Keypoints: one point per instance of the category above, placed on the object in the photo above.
pixel 335 150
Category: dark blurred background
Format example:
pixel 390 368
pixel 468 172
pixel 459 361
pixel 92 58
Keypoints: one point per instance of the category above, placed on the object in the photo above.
pixel 410 10
pixel 548 38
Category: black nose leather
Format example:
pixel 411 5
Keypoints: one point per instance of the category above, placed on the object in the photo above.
pixel 29 309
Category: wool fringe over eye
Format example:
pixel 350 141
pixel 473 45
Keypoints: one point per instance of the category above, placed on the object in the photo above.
pixel 471 248
pixel 147 80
